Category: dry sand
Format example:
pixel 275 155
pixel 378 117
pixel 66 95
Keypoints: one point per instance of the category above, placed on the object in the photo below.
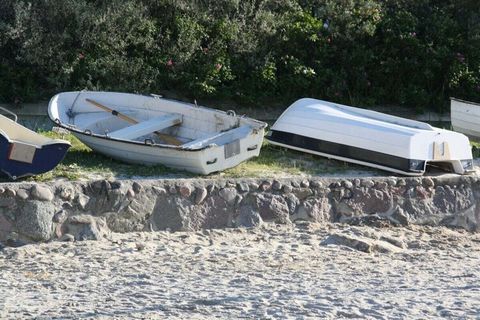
pixel 271 272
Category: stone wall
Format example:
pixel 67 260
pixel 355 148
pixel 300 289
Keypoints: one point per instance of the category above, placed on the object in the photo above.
pixel 90 210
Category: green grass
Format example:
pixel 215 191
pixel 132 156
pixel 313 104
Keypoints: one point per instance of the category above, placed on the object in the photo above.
pixel 274 160
pixel 475 149
pixel 83 163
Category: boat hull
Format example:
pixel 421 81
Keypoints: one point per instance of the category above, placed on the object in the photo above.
pixel 465 118
pixel 347 153
pixel 45 158
pixel 370 138
pixel 203 161
pixel 33 159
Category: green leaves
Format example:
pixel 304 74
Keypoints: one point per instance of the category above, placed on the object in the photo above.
pixel 411 52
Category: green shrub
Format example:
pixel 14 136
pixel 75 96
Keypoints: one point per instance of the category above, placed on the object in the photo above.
pixel 395 52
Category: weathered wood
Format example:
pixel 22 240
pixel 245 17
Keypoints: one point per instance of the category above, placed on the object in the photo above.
pixel 165 137
pixel 147 127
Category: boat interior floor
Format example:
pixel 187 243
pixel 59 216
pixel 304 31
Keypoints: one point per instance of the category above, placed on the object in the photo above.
pixel 162 130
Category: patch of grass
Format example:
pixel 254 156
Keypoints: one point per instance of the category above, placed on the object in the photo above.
pixel 82 163
pixel 274 160
pixel 475 148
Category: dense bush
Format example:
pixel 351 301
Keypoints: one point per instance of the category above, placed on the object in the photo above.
pixel 396 52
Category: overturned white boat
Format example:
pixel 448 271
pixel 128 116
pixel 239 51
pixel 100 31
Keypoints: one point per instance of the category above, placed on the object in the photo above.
pixel 370 138
pixel 465 117
pixel 152 130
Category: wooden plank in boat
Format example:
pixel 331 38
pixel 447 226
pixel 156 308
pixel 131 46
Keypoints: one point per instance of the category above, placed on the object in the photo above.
pixel 146 127
pixel 22 152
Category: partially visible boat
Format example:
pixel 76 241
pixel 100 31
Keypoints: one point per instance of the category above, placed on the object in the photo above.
pixel 465 117
pixel 370 138
pixel 152 130
pixel 26 152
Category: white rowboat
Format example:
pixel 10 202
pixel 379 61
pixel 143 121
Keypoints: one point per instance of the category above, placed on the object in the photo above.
pixel 152 130
pixel 370 138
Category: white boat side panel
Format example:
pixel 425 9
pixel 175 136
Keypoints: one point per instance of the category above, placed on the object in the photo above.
pixel 362 133
pixel 468 109
pixel 320 110
pixel 472 133
pixel 363 113
pixel 358 139
pixel 468 126
pixel 465 122
pixel 419 146
pixel 465 117
pixel 203 161
pixel 347 119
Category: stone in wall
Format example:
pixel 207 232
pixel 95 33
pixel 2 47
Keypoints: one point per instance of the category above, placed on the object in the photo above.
pixel 315 210
pixel 369 200
pixel 196 210
pixel 130 210
pixel 34 220
pixel 200 194
pixel 248 217
pixel 292 202
pixel 170 213
pixel 215 212
pixel 444 199
pixel 6 227
pixel 270 207
pixel 86 227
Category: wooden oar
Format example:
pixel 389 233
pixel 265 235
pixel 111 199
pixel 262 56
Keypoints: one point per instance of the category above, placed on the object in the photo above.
pixel 167 138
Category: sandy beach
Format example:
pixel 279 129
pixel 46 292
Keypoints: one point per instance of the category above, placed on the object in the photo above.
pixel 301 271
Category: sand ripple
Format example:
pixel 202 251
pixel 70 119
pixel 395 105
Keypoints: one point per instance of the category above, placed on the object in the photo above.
pixel 273 272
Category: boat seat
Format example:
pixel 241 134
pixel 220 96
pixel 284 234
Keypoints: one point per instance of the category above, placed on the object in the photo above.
pixel 146 127
pixel 219 138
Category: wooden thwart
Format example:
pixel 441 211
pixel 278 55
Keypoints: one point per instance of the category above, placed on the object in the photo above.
pixel 146 127
pixel 127 133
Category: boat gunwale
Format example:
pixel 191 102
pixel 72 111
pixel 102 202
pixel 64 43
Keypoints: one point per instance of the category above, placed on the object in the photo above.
pixel 262 124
